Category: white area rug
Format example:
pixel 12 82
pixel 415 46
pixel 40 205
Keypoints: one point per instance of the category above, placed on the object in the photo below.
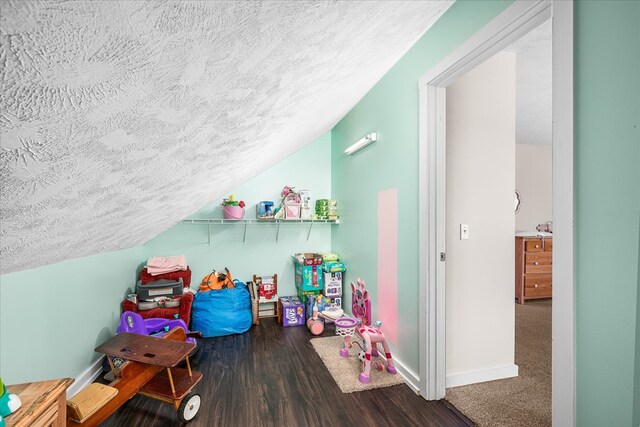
pixel 346 370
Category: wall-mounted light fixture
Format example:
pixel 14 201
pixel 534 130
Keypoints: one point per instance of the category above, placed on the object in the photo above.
pixel 361 143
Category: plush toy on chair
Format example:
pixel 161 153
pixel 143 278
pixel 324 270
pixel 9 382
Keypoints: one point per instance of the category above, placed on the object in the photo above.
pixel 9 403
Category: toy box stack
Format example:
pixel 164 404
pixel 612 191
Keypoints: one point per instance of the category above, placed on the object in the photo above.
pixel 308 275
pixel 333 271
pixel 318 280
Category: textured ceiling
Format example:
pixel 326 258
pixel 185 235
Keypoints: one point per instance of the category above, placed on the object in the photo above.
pixel 120 118
pixel 533 85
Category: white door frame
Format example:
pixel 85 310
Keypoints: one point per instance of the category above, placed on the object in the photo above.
pixel 515 21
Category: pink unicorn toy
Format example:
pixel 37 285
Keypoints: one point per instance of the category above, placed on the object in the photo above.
pixel 371 335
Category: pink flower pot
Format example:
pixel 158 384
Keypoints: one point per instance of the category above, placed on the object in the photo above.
pixel 233 212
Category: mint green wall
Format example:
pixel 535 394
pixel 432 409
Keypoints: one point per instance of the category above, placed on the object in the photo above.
pixel 52 317
pixel 307 169
pixel 607 194
pixel 391 109
pixel 607 178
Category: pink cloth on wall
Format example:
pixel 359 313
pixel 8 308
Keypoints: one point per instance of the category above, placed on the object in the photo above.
pixel 388 263
pixel 161 265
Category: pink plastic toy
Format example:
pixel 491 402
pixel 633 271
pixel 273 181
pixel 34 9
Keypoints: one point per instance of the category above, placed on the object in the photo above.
pixel 315 325
pixel 361 325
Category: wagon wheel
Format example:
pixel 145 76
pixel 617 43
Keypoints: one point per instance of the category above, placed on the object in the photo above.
pixel 189 407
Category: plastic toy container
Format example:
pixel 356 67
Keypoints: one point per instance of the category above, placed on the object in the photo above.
pixel 233 212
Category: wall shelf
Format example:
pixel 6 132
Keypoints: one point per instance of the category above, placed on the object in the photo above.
pixel 209 222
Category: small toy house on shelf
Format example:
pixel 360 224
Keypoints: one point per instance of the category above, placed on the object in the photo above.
pixel 267 296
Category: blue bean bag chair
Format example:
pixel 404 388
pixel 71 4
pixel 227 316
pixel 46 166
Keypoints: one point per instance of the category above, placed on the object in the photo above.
pixel 221 312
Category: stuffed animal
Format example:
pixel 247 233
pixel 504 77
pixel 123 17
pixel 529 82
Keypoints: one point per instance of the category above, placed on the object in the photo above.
pixel 9 403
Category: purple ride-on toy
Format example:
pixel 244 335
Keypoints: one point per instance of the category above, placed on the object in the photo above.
pixel 158 327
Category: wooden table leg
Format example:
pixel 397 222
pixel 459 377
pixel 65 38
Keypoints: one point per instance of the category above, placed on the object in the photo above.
pixel 113 368
pixel 173 388
pixel 188 366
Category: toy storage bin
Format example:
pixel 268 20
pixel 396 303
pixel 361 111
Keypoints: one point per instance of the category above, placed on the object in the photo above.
pixel 233 212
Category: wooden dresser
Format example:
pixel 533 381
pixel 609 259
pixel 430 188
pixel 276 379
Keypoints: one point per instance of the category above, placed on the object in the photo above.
pixel 44 404
pixel 534 257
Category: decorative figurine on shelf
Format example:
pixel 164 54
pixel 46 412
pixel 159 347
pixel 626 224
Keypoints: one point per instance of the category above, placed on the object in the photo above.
pixel 9 403
pixel 290 203
pixel 232 209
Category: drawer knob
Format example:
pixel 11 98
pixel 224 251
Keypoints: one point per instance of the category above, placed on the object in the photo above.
pixel 537 246
pixel 536 263
pixel 535 286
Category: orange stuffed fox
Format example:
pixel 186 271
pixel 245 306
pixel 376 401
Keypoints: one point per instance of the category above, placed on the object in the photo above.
pixel 215 280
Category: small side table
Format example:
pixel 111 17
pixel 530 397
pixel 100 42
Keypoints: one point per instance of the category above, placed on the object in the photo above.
pixel 44 403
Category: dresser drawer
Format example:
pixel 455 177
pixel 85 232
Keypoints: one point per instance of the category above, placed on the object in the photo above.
pixel 537 262
pixel 548 245
pixel 533 246
pixel 537 285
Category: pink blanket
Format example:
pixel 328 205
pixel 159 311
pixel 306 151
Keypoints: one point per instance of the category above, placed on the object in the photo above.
pixel 166 264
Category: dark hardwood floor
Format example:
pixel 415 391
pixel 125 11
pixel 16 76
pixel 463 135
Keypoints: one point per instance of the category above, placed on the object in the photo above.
pixel 271 376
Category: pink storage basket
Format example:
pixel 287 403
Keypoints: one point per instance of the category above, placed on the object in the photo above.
pixel 233 212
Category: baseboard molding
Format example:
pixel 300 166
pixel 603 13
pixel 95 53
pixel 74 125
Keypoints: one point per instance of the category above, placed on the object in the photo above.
pixel 473 377
pixel 85 378
pixel 409 376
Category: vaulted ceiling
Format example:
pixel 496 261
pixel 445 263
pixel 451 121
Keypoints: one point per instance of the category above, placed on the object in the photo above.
pixel 120 118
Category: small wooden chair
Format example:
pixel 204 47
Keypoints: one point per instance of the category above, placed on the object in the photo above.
pixel 267 299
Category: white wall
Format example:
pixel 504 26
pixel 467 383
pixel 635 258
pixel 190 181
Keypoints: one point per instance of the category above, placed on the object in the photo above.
pixel 533 182
pixel 480 184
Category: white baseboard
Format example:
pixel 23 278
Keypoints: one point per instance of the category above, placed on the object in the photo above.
pixel 85 378
pixel 409 376
pixel 473 377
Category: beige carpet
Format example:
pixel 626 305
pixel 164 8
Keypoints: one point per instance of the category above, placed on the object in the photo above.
pixel 345 370
pixel 516 402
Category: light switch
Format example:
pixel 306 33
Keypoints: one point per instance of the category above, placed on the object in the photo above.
pixel 464 231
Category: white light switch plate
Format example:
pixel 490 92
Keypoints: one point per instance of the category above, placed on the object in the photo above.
pixel 464 231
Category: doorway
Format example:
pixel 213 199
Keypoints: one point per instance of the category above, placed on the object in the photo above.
pixel 498 140
pixel 515 21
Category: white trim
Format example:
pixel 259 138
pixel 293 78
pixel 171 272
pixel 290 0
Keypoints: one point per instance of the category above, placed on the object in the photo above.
pixel 491 374
pixel 514 22
pixel 86 378
pixel 518 19
pixel 563 310
pixel 409 376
